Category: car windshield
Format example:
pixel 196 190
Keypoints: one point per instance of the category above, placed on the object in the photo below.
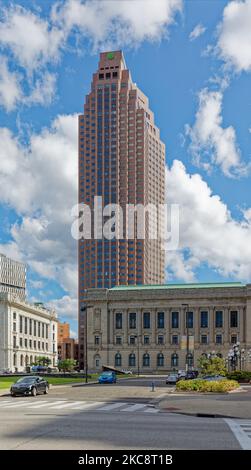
pixel 105 374
pixel 26 380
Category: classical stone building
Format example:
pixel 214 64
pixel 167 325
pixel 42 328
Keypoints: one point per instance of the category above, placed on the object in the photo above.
pixel 166 327
pixel 26 332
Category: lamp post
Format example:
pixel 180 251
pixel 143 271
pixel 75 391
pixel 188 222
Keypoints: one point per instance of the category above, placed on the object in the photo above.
pixel 187 334
pixel 84 308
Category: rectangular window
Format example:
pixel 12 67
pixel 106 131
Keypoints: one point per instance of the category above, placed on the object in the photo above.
pixel 189 319
pixel 30 327
pixel 14 327
pixel 42 330
pixel 146 339
pixel 233 319
pixel 219 319
pixel 118 340
pixel 30 343
pixel 47 331
pixel 218 339
pixel 204 319
pixel 233 339
pixel 96 341
pixel 132 320
pixel 21 324
pixel 14 341
pixel 21 342
pixel 39 329
pixel 35 328
pixel 175 319
pixel 146 321
pixel 161 320
pixel 132 340
pixel 203 339
pixel 175 339
pixel 35 344
pixel 160 339
pixel 26 325
pixel 101 76
pixel 118 321
pixel 25 343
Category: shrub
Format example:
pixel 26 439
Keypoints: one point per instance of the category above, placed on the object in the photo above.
pixel 199 385
pixel 240 375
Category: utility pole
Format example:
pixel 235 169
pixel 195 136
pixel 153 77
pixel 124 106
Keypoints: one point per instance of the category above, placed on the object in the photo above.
pixel 187 334
pixel 84 308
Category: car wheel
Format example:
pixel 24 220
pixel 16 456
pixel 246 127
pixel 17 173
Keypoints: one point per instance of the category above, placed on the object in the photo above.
pixel 34 392
pixel 13 395
pixel 46 390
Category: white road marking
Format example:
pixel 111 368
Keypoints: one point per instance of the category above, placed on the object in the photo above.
pixel 43 404
pixel 238 429
pixel 4 402
pixel 15 405
pixel 65 405
pixel 87 405
pixel 112 406
pixel 136 407
pixel 151 410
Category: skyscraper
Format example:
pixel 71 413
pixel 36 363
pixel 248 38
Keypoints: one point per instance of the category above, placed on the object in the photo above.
pixel 12 277
pixel 122 160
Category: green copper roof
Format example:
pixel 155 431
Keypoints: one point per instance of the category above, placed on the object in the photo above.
pixel 203 285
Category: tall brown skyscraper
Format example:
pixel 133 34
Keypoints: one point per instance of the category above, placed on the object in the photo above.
pixel 122 160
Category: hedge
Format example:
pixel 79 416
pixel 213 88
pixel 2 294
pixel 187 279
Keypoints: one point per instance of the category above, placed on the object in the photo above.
pixel 240 375
pixel 199 385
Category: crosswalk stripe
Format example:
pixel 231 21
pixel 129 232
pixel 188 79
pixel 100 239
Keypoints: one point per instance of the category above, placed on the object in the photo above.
pixel 65 405
pixel 112 406
pixel 5 402
pixel 14 405
pixel 87 405
pixel 136 407
pixel 150 410
pixel 43 404
pixel 241 436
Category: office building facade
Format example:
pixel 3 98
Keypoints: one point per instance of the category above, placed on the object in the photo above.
pixel 12 277
pixel 121 161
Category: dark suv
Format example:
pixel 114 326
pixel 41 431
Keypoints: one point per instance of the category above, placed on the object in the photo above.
pixel 191 374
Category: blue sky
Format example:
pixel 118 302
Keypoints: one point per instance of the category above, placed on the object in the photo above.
pixel 193 60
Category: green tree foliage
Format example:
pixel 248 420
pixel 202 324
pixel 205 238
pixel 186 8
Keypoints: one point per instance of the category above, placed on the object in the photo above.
pixel 42 361
pixel 67 365
pixel 212 365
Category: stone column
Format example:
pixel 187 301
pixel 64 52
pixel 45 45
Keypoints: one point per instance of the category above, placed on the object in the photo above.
pixel 196 311
pixel 211 326
pixel 226 325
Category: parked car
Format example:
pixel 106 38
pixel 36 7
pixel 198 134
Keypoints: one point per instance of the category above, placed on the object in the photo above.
pixel 125 371
pixel 214 377
pixel 107 377
pixel 191 374
pixel 30 385
pixel 172 379
pixel 181 374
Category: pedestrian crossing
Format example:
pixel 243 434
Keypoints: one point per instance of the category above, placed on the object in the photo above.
pixel 241 429
pixel 67 405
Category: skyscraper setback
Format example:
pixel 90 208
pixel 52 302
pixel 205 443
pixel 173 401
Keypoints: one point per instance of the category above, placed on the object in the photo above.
pixel 122 159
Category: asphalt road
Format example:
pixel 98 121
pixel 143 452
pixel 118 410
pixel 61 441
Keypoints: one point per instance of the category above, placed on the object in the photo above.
pixel 91 418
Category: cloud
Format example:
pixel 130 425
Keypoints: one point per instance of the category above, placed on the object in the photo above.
pixel 40 183
pixel 208 232
pixel 36 284
pixel 198 30
pixel 211 143
pixel 10 90
pixel 234 35
pixel 66 307
pixel 117 24
pixel 32 40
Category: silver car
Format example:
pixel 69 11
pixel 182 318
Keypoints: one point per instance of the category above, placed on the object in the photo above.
pixel 172 379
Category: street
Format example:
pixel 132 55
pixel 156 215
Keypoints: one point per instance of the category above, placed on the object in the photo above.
pixel 121 416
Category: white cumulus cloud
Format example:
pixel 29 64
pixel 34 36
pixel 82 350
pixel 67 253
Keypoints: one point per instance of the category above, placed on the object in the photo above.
pixel 211 143
pixel 10 89
pixel 234 40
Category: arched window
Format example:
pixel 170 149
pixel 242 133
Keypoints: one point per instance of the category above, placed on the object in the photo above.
pixel 31 360
pixel 190 359
pixel 174 360
pixel 132 360
pixel 21 360
pixel 14 359
pixel 118 360
pixel 160 360
pixel 146 360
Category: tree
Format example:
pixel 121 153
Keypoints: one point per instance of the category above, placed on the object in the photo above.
pixel 67 365
pixel 42 361
pixel 213 365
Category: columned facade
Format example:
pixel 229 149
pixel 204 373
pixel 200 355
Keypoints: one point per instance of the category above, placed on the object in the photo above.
pixel 145 326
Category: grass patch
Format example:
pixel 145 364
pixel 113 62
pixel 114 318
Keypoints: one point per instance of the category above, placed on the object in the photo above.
pixel 6 382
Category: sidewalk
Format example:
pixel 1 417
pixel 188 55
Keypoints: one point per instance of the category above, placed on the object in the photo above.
pixel 232 405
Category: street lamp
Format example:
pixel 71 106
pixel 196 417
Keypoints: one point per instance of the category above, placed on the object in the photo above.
pixel 84 308
pixel 186 306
